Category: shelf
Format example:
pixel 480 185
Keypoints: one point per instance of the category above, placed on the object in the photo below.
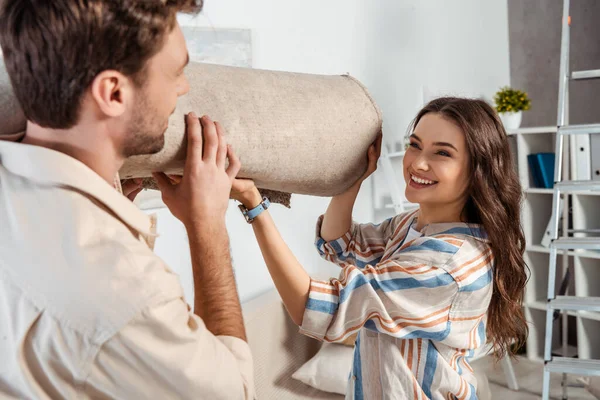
pixel 539 191
pixel 536 248
pixel 537 305
pixel 533 130
pixel 542 306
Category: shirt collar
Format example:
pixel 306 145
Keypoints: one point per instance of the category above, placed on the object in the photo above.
pixel 51 167
pixel 452 228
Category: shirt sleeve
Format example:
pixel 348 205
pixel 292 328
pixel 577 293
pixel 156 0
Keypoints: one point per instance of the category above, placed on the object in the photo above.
pixel 362 245
pixel 406 297
pixel 167 352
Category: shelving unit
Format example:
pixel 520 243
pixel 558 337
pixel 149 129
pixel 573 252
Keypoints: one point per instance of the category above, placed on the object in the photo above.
pixel 536 210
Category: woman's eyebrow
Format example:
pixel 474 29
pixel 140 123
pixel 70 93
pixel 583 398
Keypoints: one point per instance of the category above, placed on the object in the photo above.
pixel 442 144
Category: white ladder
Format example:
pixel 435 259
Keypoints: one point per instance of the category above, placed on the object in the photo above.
pixel 552 364
pixel 399 204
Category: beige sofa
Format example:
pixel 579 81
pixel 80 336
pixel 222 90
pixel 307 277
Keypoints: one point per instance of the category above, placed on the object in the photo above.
pixel 279 350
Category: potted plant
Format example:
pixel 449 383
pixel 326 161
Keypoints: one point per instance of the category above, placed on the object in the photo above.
pixel 510 103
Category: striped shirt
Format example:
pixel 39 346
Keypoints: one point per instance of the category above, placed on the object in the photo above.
pixel 419 302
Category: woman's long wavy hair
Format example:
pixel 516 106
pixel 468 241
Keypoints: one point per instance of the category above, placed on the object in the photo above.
pixel 495 202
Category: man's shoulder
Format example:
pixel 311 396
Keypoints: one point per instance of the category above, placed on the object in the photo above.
pixel 79 263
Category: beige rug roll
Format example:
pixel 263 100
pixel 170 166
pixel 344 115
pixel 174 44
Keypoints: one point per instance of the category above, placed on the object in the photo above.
pixel 294 133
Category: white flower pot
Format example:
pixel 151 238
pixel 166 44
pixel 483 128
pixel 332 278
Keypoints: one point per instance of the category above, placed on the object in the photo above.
pixel 511 120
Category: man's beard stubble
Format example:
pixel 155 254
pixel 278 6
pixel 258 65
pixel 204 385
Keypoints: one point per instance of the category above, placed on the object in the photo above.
pixel 146 133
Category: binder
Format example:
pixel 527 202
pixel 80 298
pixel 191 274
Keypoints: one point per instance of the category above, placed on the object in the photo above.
pixel 595 156
pixel 581 158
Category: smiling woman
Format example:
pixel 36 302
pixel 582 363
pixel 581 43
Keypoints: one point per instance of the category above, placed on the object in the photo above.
pixel 436 166
pixel 459 168
pixel 425 289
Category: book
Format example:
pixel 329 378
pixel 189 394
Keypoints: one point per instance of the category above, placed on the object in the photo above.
pixel 542 169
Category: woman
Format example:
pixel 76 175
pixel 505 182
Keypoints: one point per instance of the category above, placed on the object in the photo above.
pixel 426 288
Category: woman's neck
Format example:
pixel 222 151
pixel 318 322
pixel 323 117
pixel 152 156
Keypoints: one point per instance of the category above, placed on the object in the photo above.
pixel 439 213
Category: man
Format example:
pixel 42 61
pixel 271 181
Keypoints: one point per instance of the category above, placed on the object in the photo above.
pixel 86 308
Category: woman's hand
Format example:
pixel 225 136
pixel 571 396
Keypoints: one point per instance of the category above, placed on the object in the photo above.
pixel 245 191
pixel 372 156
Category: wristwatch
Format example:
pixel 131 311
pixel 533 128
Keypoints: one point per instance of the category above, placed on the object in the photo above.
pixel 251 215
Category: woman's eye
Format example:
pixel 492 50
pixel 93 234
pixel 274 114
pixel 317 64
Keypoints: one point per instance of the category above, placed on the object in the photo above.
pixel 413 144
pixel 444 153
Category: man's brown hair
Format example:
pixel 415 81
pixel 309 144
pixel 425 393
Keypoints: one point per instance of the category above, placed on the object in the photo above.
pixel 53 49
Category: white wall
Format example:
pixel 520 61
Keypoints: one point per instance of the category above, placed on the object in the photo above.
pixel 396 47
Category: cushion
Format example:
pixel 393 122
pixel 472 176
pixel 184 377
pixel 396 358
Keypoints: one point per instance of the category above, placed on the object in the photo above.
pixel 294 133
pixel 329 369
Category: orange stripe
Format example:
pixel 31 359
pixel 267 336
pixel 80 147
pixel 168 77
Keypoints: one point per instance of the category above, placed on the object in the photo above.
pixel 398 327
pixel 464 265
pixel 467 318
pixel 419 342
pixel 371 252
pixel 467 365
pixel 474 269
pixel 399 268
pixel 410 354
pixel 408 244
pixel 323 290
pixel 456 243
pixel 460 390
pixel 400 228
pixel 415 389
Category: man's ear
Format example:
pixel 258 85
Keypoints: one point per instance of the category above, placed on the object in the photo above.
pixel 111 91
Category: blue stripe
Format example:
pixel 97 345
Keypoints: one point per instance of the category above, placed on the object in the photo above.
pixel 458 364
pixel 438 336
pixel 473 393
pixel 481 333
pixel 370 325
pixel 391 285
pixel 326 307
pixel 469 231
pixel 432 245
pixel 479 283
pixel 357 371
pixel 320 244
pixel 336 246
pixel 430 367
pixel 361 263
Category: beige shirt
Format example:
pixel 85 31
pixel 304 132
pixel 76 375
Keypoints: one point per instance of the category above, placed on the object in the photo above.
pixel 87 310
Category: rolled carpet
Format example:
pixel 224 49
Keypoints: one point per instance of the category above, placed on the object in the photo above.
pixel 294 133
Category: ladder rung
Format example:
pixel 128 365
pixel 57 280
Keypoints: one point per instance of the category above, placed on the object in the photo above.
pixel 574 366
pixel 578 129
pixel 575 303
pixel 574 186
pixel 591 74
pixel 576 243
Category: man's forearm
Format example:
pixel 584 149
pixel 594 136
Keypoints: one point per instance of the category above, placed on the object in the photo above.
pixel 216 299
pixel 338 217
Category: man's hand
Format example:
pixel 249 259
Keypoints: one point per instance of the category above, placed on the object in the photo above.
pixel 131 187
pixel 202 195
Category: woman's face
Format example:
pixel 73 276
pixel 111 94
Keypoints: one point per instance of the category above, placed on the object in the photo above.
pixel 436 164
